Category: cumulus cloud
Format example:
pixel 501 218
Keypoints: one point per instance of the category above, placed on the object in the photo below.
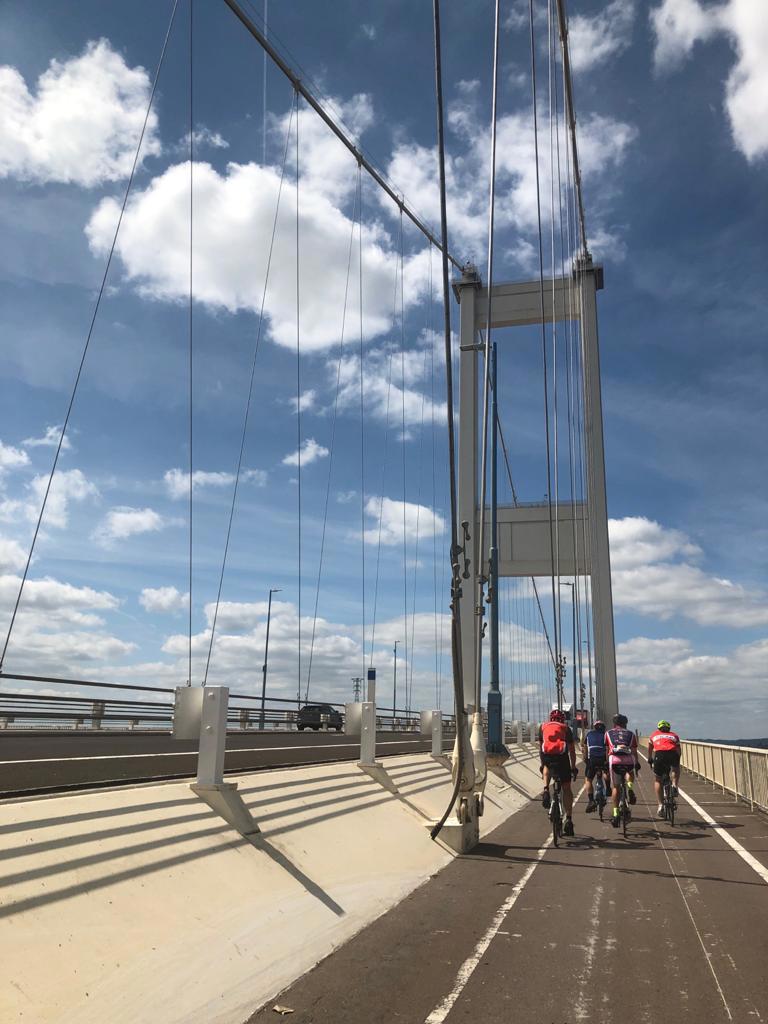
pixel 603 145
pixel 163 600
pixel 678 25
pixel 310 452
pixel 50 439
pixel 67 486
pixel 595 39
pixel 652 575
pixel 177 480
pixel 11 458
pixel 202 137
pixel 305 402
pixel 122 522
pixel 667 676
pixel 12 556
pixel 81 123
pixel 392 518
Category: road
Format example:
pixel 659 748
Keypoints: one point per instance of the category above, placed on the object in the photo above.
pixel 46 762
pixel 668 924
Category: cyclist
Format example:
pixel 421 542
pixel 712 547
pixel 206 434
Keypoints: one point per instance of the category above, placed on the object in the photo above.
pixel 663 757
pixel 621 745
pixel 557 751
pixel 593 752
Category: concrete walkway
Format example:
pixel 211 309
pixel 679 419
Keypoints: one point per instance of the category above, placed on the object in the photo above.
pixel 669 924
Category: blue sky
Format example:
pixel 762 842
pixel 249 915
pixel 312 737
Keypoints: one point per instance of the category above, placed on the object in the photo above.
pixel 672 101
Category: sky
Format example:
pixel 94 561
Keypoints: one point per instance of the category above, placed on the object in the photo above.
pixel 672 107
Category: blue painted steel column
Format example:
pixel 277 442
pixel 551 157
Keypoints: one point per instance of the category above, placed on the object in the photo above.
pixel 495 743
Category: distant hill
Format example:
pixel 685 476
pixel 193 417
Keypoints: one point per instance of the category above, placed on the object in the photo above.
pixel 762 743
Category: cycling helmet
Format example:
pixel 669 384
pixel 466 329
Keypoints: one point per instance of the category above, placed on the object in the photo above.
pixel 556 716
pixel 664 725
pixel 620 720
pixel 599 725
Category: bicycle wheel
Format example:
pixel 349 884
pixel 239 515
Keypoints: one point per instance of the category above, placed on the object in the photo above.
pixel 671 811
pixel 624 811
pixel 556 819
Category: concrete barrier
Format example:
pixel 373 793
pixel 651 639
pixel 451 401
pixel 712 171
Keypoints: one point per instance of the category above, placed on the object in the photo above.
pixel 143 905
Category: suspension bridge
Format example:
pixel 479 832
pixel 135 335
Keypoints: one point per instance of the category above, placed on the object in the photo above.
pixel 226 846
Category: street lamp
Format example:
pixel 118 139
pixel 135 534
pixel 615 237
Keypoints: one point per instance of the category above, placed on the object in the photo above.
pixel 394 689
pixel 573 607
pixel 273 590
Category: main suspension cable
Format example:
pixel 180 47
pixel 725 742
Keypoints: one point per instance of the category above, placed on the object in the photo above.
pixel 89 335
pixel 191 319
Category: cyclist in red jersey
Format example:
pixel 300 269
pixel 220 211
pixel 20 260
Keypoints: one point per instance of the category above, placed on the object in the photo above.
pixel 663 757
pixel 558 759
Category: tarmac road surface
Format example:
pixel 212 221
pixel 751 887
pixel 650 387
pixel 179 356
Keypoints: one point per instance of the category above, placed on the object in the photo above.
pixel 667 924
pixel 47 762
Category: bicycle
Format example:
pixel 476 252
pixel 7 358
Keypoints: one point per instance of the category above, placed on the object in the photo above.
pixel 556 812
pixel 668 802
pixel 625 815
pixel 599 792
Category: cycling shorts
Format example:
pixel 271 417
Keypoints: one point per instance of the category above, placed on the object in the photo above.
pixel 663 760
pixel 559 766
pixel 595 765
pixel 618 770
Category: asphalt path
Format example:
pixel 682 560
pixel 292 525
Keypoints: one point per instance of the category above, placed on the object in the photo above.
pixel 47 762
pixel 667 924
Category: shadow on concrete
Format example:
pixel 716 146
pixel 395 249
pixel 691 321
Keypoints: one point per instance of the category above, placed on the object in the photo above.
pixel 259 842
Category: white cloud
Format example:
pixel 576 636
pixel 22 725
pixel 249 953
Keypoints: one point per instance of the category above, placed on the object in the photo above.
pixel 163 600
pixel 648 578
pixel 637 541
pixel 679 24
pixel 82 123
pixel 310 452
pixel 11 458
pixel 177 480
pixel 667 677
pixel 398 516
pixel 603 145
pixel 50 439
pixel 12 556
pixel 595 39
pixel 306 401
pixel 203 136
pixel 369 31
pixel 122 522
pixel 344 497
pixel 68 485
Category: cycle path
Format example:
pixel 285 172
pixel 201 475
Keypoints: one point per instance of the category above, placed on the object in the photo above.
pixel 668 924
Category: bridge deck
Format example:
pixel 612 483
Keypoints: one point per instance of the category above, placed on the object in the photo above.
pixel 668 924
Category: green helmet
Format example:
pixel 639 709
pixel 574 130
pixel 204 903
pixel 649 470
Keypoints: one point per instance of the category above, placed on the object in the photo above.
pixel 663 724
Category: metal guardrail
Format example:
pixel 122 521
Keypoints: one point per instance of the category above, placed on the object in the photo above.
pixel 742 771
pixel 25 711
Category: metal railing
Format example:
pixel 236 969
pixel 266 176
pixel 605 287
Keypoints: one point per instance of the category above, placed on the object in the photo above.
pixel 30 711
pixel 741 771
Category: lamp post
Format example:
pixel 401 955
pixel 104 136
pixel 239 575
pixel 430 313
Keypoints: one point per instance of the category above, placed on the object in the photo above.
pixel 394 688
pixel 273 590
pixel 573 608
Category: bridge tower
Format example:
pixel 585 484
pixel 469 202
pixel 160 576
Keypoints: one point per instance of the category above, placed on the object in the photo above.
pixel 524 531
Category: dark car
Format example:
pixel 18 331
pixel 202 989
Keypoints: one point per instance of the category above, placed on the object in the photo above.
pixel 315 716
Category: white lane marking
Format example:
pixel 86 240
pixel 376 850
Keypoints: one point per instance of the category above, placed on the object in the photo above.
pixel 745 855
pixel 193 753
pixel 705 951
pixel 466 970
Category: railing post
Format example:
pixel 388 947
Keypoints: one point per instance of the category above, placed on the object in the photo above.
pixel 751 784
pixel 97 714
pixel 735 776
pixel 437 734
pixel 722 770
pixel 244 717
pixel 368 734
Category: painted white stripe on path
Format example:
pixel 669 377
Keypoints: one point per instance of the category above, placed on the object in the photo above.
pixel 466 970
pixel 193 753
pixel 745 855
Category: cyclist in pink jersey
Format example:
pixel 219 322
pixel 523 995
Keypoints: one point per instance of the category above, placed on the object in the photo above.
pixel 621 747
